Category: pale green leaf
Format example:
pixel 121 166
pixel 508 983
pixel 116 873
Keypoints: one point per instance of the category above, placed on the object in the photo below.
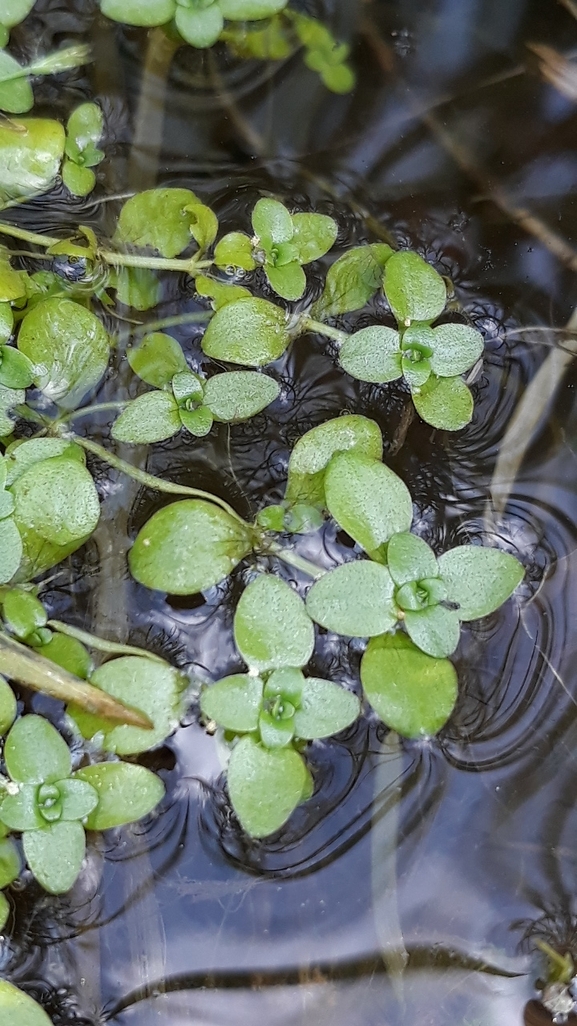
pixel 152 417
pixel 288 281
pixel 276 731
pixel 78 799
pixel 233 702
pixel 250 10
pixel 413 288
pixel 16 94
pixel 55 855
pixel 186 385
pixel 479 579
pixel 10 865
pixel 220 292
pixel 139 12
pixel 413 693
pixel 372 354
pixel 57 500
pixel 31 151
pixel 6 322
pixel 409 558
pixel 188 546
pixel 288 683
pixel 79 181
pixel 20 811
pixel 456 347
pixel 198 422
pixel 311 454
pixel 85 125
pixel 272 222
pixel 23 612
pixel 353 280
pixel 10 550
pixel 200 26
pixel 265 785
pixel 203 224
pixel 8 708
pixel 157 218
pixel 250 331
pixel 20 1010
pixel 16 370
pixel 126 793
pixel 24 454
pixel 35 753
pixel 4 906
pixel 239 395
pixel 13 12
pixel 157 358
pixel 444 403
pixel 313 235
pixel 356 600
pixel 235 250
pixel 367 499
pixel 339 78
pixel 434 629
pixel 325 709
pixel 271 626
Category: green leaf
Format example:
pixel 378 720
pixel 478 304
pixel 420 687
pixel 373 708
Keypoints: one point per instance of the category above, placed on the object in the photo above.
pixel 10 550
pixel 154 688
pixel 13 284
pixel 220 292
pixel 444 403
pixel 85 125
pixel 55 855
pixel 157 358
pixel 250 331
pixel 288 281
pixel 198 422
pixel 325 709
pixel 10 865
pixel 367 499
pixel 16 94
pixel 272 222
pixel 413 288
pixel 409 558
pixel 126 793
pixel 239 395
pixel 78 799
pixel 186 385
pixel 356 600
pixel 200 27
pixel 9 397
pixel 271 43
pixel 233 702
pixel 235 250
pixel 157 218
pixel 24 454
pixel 271 626
pixel 203 224
pixel 150 418
pixel 13 12
pixel 139 12
pixel 250 10
pixel 456 347
pixel 413 693
pixel 20 811
pixel 479 579
pixel 372 354
pixel 79 181
pixel 19 1009
pixel 188 546
pixel 137 287
pixel 339 78
pixel 8 708
pixel 353 280
pixel 69 653
pixel 312 453
pixel 313 235
pixel 68 346
pixel 35 753
pixel 57 500
pixel 4 906
pixel 288 683
pixel 6 323
pixel 276 731
pixel 23 612
pixel 265 785
pixel 16 370
pixel 434 629
pixel 31 151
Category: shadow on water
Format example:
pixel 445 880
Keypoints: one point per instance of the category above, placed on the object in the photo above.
pixel 473 835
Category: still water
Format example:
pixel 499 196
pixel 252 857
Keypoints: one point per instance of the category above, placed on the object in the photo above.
pixel 411 888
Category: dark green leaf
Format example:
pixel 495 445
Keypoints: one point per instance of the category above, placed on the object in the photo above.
pixel 435 630
pixel 372 354
pixel 325 709
pixel 444 403
pixel 409 558
pixel 239 395
pixel 456 347
pixel 157 218
pixel 126 793
pixel 31 151
pixel 311 454
pixel 356 600
pixel 413 693
pixel 234 702
pixel 57 500
pixel 152 417
pixel 265 785
pixel 367 499
pixel 413 288
pixel 188 546
pixel 35 753
pixel 271 626
pixel 200 26
pixel 479 579
pixel 157 358
pixel 353 280
pixel 55 855
pixel 20 1010
pixel 139 12
pixel 250 331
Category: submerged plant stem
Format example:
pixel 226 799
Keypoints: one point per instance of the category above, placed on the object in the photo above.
pixel 309 324
pixel 40 674
pixel 101 644
pixel 293 559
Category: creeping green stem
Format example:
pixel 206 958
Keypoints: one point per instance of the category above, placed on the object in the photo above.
pixel 309 324
pixel 293 559
pixel 101 644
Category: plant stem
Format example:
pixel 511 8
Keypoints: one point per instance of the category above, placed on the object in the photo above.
pixel 97 408
pixel 172 322
pixel 149 481
pixel 40 674
pixel 15 232
pixel 101 644
pixel 309 324
pixel 293 559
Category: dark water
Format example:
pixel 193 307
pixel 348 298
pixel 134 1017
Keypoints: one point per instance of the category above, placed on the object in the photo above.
pixel 408 890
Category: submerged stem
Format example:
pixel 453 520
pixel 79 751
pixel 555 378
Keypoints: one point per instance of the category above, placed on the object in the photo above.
pixel 101 644
pixel 293 559
pixel 309 324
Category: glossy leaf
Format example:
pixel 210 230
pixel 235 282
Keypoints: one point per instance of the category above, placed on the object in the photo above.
pixel 203 224
pixel 69 653
pixel 413 288
pixel 434 629
pixel 79 181
pixel 126 793
pixel 312 453
pixel 188 546
pixel 23 612
pixel 239 395
pixel 233 702
pixel 68 346
pixel 265 785
pixel 456 347
pixel 367 499
pixel 325 709
pixel 16 370
pixel 250 331
pixel 220 292
pixel 444 403
pixel 55 854
pixel 10 865
pixel 19 1009
pixel 235 250
pixel 10 550
pixel 250 10
pixel 272 222
pixel 16 96
pixel 57 500
pixel 151 417
pixel 35 753
pixel 154 688
pixel 8 708
pixel 31 151
pixel 157 218
pixel 157 358
pixel 85 125
pixel 356 600
pixel 271 626
pixel 139 12
pixel 413 693
pixel 313 235
pixel 409 558
pixel 372 354
pixel 353 280
pixel 479 579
